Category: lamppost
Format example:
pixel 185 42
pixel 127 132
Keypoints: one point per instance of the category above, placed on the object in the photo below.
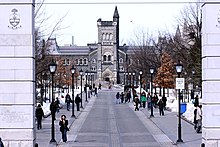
pixel 124 78
pixel 151 80
pixel 129 79
pixel 126 74
pixel 73 103
pixel 140 82
pixel 81 74
pixel 133 78
pixel 52 68
pixel 179 68
pixel 86 72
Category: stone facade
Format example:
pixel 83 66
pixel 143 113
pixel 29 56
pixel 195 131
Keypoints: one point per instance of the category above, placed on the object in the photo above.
pixel 106 59
pixel 17 78
pixel 210 73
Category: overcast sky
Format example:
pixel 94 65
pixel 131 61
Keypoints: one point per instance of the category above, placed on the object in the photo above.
pixel 82 18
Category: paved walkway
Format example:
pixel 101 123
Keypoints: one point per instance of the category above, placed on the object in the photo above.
pixel 162 128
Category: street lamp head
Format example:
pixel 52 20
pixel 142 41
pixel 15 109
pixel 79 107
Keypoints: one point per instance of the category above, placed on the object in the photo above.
pixel 129 73
pixel 52 67
pixel 133 73
pixel 140 72
pixel 126 73
pixel 72 69
pixel 179 67
pixel 86 72
pixel 151 70
pixel 193 72
pixel 81 72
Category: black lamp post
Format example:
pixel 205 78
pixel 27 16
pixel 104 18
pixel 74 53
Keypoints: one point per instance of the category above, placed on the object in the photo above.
pixel 151 80
pixel 133 77
pixel 86 72
pixel 179 68
pixel 129 78
pixel 81 74
pixel 126 74
pixel 73 103
pixel 140 82
pixel 124 78
pixel 52 68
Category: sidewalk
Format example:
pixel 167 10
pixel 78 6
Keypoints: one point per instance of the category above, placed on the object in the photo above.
pixel 43 136
pixel 168 124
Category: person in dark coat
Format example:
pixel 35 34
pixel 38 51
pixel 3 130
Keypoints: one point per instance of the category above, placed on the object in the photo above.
pixel 196 100
pixel 136 101
pixel 128 96
pixel 77 101
pixel 39 115
pixel 164 99
pixel 161 107
pixel 67 101
pixel 53 109
pixel 1 143
pixel 64 127
pixel 57 104
pixel 122 97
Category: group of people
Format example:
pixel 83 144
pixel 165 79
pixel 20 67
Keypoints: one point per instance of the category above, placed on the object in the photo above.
pixel 55 106
pixel 123 97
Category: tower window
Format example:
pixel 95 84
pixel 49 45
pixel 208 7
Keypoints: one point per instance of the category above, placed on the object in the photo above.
pixel 104 58
pixel 85 61
pixel 120 60
pixel 109 57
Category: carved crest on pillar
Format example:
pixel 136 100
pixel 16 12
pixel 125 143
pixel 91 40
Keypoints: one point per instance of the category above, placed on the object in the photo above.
pixel 14 19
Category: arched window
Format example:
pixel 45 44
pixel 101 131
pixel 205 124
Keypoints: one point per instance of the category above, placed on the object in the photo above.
pixel 110 36
pixel 103 36
pixel 93 60
pixel 104 58
pixel 81 61
pixel 109 58
pixel 77 61
pixel 85 61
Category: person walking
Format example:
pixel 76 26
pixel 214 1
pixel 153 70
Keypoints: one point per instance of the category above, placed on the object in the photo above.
pixel 199 118
pixel 194 119
pixel 196 102
pixel 122 97
pixel 136 101
pixel 57 104
pixel 67 101
pixel 117 98
pixel 143 99
pixel 1 143
pixel 39 115
pixel 64 127
pixel 164 99
pixel 53 110
pixel 161 107
pixel 77 101
pixel 128 96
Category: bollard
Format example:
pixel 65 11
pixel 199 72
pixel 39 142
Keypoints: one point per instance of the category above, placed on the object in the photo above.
pixel 203 145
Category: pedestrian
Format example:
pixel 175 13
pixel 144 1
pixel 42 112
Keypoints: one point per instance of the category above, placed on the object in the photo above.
pixel 148 101
pixel 96 91
pixel 77 101
pixel 199 119
pixel 1 143
pixel 117 98
pixel 100 86
pixel 122 97
pixel 154 100
pixel 161 107
pixel 194 120
pixel 136 102
pixel 64 127
pixel 57 104
pixel 53 110
pixel 128 96
pixel 39 115
pixel 196 102
pixel 67 101
pixel 143 99
pixel 164 99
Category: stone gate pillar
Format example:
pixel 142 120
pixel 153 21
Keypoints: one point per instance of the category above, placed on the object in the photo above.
pixel 17 80
pixel 211 72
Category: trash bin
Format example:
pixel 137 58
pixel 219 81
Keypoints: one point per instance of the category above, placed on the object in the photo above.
pixel 183 107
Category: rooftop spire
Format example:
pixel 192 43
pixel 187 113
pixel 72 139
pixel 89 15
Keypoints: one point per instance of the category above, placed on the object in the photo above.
pixel 116 15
